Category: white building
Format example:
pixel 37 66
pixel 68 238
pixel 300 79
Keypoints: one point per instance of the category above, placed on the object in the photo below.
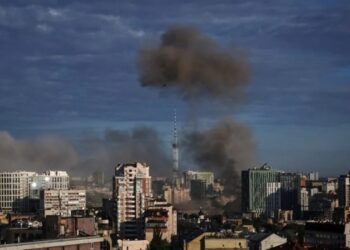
pixel 131 188
pixel 14 190
pixel 263 241
pixel 62 202
pixel 273 197
pixel 56 180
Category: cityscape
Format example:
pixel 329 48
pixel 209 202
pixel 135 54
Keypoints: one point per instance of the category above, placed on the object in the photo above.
pixel 174 125
pixel 279 210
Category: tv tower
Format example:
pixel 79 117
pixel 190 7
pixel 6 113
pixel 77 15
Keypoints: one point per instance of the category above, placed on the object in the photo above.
pixel 175 150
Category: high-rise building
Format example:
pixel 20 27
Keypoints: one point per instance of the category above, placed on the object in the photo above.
pixel 62 202
pixel 261 190
pixel 344 190
pixel 289 191
pixel 131 188
pixel 14 190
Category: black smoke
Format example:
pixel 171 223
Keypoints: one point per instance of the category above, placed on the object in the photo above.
pixel 192 64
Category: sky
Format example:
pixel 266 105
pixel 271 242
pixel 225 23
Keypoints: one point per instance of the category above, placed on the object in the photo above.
pixel 69 68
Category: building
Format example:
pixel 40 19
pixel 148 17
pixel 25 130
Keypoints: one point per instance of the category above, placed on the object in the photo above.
pixel 263 241
pixel 261 190
pixel 344 190
pixel 289 191
pixel 303 200
pixel 59 226
pixel 208 240
pixel 207 177
pixel 56 180
pixel 14 191
pixel 327 235
pixel 198 189
pixel 312 176
pixel 162 216
pixel 61 202
pixel 176 194
pixel 98 178
pixel 322 206
pixel 133 244
pixel 131 188
pixel 18 188
pixel 341 215
pixel 77 243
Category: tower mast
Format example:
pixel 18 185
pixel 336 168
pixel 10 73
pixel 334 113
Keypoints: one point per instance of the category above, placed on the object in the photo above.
pixel 175 148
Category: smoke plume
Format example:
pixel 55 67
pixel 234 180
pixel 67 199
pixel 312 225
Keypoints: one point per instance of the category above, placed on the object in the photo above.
pixel 192 64
pixel 224 149
pixel 116 146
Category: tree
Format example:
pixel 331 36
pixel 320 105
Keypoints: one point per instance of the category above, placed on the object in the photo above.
pixel 157 243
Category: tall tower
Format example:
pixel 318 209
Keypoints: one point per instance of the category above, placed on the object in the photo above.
pixel 175 148
pixel 176 180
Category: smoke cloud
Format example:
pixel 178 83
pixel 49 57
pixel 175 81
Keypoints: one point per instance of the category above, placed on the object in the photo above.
pixel 116 146
pixel 192 64
pixel 224 149
pixel 36 154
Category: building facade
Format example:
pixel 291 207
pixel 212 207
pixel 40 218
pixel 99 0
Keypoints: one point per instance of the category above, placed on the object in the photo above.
pixel 14 190
pixel 56 180
pixel 62 202
pixel 131 188
pixel 289 191
pixel 261 190
pixel 162 216
pixel 344 190
pixel 19 187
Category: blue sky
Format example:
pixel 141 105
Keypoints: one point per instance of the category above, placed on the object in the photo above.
pixel 68 67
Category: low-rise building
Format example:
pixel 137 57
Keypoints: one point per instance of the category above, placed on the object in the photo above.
pixel 58 226
pixel 62 202
pixel 210 240
pixel 160 215
pixel 263 241
pixel 133 244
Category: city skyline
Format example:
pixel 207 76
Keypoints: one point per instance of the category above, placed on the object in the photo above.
pixel 68 70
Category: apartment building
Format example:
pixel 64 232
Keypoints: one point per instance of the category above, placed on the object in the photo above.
pixel 131 188
pixel 61 202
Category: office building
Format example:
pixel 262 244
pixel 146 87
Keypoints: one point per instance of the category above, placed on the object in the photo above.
pixel 344 190
pixel 14 191
pixel 131 188
pixel 61 202
pixel 261 190
pixel 289 191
